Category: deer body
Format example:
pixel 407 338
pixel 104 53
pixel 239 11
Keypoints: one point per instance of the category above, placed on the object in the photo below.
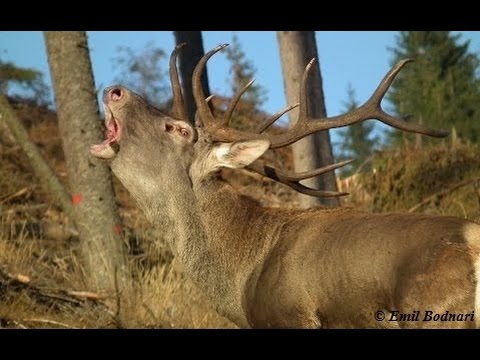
pixel 266 267
pixel 337 267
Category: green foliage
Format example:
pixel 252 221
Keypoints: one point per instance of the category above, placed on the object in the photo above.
pixel 142 72
pixel 242 71
pixel 356 141
pixel 23 83
pixel 442 88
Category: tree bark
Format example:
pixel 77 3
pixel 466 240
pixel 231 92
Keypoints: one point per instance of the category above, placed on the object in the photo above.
pixel 188 59
pixel 297 48
pixel 95 210
pixel 44 173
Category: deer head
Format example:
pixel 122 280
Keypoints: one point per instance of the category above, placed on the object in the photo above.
pixel 138 133
pixel 149 151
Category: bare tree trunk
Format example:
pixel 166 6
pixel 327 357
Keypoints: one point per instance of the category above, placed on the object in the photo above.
pixel 96 214
pixel 297 48
pixel 188 58
pixel 44 173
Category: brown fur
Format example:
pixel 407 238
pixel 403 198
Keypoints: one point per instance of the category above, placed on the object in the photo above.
pixel 336 267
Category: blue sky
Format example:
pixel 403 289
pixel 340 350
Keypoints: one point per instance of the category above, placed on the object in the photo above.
pixel 357 57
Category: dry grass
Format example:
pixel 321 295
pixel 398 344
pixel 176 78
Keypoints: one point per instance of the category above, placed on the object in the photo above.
pixel 404 178
pixel 161 296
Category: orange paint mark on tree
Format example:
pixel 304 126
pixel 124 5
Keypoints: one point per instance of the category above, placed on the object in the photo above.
pixel 76 199
pixel 117 229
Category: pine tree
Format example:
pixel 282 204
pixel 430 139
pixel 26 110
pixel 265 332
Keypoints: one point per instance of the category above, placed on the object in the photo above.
pixel 28 83
pixel 356 141
pixel 441 89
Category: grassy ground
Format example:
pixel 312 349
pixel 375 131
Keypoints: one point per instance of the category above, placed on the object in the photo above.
pixel 442 179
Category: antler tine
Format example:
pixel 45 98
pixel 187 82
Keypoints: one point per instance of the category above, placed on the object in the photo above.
pixel 268 122
pixel 314 192
pixel 198 120
pixel 374 106
pixel 312 173
pixel 303 111
pixel 178 107
pixel 303 103
pixel 217 129
pixel 371 109
pixel 233 103
pixel 384 85
pixel 203 109
pixel 293 180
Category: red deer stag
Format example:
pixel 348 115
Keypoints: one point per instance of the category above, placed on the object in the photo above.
pixel 265 267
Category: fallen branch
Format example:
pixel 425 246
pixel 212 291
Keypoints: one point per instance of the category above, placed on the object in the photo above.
pixel 50 322
pixel 87 295
pixel 18 324
pixel 443 193
pixel 17 278
pixel 19 193
pixel 23 282
pixel 23 208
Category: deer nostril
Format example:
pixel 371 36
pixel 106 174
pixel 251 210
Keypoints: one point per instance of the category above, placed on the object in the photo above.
pixel 116 94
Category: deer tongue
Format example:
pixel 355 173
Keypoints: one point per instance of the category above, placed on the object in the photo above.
pixel 105 150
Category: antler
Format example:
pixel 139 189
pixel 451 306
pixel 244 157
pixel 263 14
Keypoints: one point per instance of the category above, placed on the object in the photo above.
pixel 218 130
pixel 371 109
pixel 293 180
pixel 178 107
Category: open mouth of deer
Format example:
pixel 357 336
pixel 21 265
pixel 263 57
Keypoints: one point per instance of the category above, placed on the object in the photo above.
pixel 109 147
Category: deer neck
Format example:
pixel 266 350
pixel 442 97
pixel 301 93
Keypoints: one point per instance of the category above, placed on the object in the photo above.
pixel 193 239
pixel 169 204
pixel 175 214
pixel 205 234
pixel 237 233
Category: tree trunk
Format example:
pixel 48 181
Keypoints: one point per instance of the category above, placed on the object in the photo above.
pixel 297 48
pixel 44 173
pixel 95 210
pixel 188 59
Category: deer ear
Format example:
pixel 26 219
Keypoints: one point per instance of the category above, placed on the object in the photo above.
pixel 239 154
